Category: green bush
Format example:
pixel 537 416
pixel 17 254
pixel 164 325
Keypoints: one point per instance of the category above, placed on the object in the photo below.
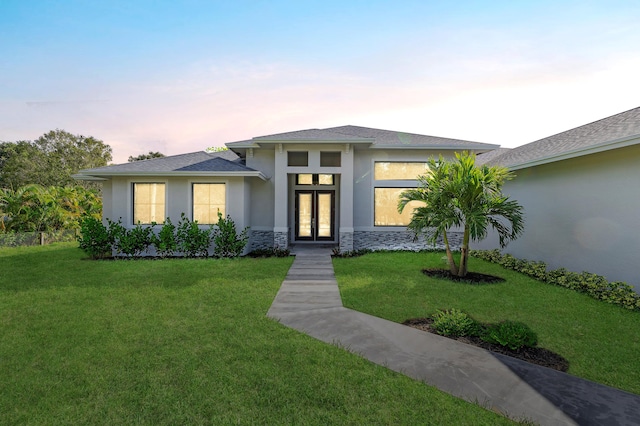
pixel 228 243
pixel 95 239
pixel 133 242
pixel 192 241
pixel 166 242
pixel 272 252
pixel 455 323
pixel 596 286
pixel 514 335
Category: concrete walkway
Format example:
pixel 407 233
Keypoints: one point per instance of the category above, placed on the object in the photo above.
pixel 309 301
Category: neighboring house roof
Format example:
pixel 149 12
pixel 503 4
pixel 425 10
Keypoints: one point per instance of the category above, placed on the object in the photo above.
pixel 222 163
pixel 608 133
pixel 376 138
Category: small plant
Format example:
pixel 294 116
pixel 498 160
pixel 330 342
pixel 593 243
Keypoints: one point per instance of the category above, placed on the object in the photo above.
pixel 350 253
pixel 228 243
pixel 455 323
pixel 166 242
pixel 133 242
pixel 272 252
pixel 116 233
pixel 514 335
pixel 192 241
pixel 94 238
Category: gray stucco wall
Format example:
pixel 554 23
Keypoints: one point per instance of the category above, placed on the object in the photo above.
pixel 581 214
pixel 118 198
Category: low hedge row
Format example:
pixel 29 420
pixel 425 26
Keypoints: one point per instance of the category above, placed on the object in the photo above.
pixel 596 286
pixel 186 238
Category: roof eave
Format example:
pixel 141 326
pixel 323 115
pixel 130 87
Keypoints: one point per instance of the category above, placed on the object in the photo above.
pixel 104 176
pixel 315 141
pixel 484 148
pixel 605 146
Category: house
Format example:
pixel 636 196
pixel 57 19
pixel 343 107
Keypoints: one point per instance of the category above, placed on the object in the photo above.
pixel 580 190
pixel 336 186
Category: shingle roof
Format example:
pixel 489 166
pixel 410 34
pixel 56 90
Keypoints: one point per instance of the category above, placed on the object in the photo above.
pixel 310 135
pixel 222 161
pixel 389 138
pixel 578 141
pixel 488 156
pixel 378 138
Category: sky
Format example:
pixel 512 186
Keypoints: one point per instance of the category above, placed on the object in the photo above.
pixel 181 76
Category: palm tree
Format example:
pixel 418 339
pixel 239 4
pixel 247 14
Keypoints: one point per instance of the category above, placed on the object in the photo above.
pixel 461 194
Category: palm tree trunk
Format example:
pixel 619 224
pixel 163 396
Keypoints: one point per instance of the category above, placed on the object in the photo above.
pixel 452 262
pixel 464 253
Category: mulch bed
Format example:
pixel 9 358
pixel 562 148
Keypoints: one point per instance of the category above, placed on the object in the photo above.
pixel 538 356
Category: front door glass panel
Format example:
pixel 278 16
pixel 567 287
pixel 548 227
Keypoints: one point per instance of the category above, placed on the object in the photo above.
pixel 315 214
pixel 305 214
pixel 324 214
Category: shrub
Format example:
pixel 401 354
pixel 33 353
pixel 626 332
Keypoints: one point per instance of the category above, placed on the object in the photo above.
pixel 95 239
pixel 351 253
pixel 455 323
pixel 596 286
pixel 192 241
pixel 514 335
pixel 272 252
pixel 228 243
pixel 166 242
pixel 133 242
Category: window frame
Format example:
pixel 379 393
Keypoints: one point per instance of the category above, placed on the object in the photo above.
pixel 404 179
pixel 133 201
pixel 292 154
pixel 329 156
pixel 400 188
pixel 193 200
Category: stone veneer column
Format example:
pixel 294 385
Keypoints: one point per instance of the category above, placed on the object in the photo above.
pixel 346 199
pixel 280 226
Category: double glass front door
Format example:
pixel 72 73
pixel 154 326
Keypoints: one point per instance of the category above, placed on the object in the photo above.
pixel 315 213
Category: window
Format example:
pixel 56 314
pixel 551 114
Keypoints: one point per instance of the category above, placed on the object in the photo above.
pixel 384 170
pixel 297 158
pixel 148 203
pixel 386 207
pixel 208 200
pixel 314 179
pixel 330 159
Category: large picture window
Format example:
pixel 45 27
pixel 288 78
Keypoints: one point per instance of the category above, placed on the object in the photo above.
pixel 208 200
pixel 386 207
pixel 148 203
pixel 385 170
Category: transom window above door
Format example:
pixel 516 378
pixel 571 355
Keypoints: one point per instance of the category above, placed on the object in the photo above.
pixel 314 179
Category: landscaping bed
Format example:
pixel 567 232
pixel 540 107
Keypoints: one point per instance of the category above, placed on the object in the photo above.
pixel 538 356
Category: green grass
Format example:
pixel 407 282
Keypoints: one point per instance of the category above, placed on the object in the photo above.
pixel 601 341
pixel 182 342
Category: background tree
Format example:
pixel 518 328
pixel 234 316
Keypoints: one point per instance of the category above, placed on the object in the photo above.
pixel 148 156
pixel 35 208
pixel 50 160
pixel 461 194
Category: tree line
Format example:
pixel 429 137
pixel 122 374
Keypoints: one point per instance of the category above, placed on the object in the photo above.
pixel 37 191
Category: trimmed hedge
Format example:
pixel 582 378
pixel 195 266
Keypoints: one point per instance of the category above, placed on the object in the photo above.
pixel 596 286
pixel 187 239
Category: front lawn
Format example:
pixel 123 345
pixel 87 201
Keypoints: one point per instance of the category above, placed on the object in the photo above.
pixel 182 342
pixel 600 341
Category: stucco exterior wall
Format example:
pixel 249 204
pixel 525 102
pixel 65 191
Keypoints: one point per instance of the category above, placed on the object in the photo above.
pixel 581 214
pixel 364 183
pixel 262 192
pixel 118 198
